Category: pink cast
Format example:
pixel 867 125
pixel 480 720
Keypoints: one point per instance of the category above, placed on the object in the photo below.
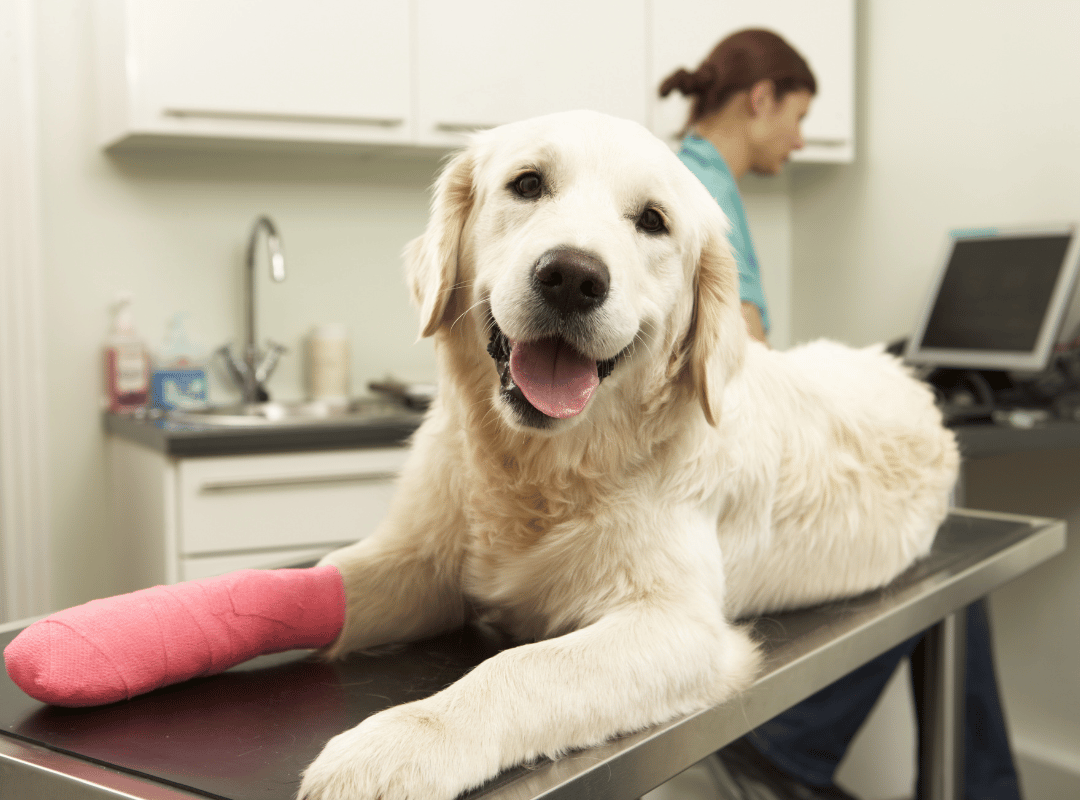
pixel 119 647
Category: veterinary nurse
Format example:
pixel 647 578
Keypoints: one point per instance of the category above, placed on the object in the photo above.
pixel 747 101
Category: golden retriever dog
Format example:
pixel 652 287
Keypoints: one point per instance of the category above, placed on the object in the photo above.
pixel 613 472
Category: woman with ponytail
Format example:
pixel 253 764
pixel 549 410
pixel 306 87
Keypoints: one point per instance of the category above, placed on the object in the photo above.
pixel 747 100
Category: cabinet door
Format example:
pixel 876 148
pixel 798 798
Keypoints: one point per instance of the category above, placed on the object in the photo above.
pixel 337 70
pixel 823 31
pixel 481 63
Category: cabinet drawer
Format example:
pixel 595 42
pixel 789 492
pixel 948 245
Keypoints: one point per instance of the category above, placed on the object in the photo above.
pixel 273 501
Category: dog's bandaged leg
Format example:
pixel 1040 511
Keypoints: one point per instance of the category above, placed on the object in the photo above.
pixel 119 647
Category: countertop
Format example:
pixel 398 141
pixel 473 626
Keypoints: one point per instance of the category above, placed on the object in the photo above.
pixel 181 439
pixel 992 439
pixel 248 733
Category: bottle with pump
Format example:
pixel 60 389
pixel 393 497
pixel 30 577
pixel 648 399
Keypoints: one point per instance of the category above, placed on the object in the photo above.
pixel 127 363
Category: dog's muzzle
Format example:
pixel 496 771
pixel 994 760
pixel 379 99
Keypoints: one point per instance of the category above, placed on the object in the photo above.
pixel 545 376
pixel 546 379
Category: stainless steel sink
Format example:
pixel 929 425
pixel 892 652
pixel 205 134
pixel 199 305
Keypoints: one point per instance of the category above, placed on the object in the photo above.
pixel 245 415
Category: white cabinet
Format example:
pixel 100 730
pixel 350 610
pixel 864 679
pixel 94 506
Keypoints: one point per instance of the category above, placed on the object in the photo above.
pixel 419 73
pixel 823 31
pixel 186 518
pixel 481 63
pixel 332 71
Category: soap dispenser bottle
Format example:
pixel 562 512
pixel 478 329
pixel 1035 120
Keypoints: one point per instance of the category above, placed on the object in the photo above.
pixel 127 363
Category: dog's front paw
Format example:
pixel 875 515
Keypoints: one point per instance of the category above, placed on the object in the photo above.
pixel 410 752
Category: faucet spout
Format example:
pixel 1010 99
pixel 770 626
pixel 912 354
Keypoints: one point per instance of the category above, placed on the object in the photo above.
pixel 252 375
pixel 273 243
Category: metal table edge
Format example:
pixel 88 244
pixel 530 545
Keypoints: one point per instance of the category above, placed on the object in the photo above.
pixel 29 771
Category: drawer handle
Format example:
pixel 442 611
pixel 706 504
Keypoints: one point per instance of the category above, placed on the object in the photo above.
pixel 241 484
pixel 282 116
pixel 463 127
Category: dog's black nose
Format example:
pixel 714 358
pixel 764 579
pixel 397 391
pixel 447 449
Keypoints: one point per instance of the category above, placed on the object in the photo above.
pixel 570 280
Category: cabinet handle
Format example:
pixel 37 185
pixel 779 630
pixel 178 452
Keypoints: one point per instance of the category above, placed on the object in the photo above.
pixel 241 484
pixel 464 127
pixel 827 142
pixel 283 116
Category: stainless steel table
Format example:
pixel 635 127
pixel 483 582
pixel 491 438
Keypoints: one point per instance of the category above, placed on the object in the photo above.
pixel 249 732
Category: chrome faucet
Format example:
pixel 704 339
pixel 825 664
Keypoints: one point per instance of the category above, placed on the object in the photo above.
pixel 252 369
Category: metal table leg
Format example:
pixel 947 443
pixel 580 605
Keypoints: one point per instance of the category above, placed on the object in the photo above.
pixel 941 736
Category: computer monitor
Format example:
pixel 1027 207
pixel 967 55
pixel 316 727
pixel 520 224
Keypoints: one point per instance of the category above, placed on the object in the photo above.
pixel 999 299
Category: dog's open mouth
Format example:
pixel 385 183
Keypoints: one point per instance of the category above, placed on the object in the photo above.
pixel 547 375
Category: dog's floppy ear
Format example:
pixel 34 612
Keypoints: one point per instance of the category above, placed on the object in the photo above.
pixel 718 335
pixel 431 260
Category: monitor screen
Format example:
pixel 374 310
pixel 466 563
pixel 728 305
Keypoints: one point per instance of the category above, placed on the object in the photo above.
pixel 998 300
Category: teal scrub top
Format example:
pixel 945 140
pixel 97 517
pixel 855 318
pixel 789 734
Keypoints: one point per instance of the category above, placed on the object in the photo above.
pixel 705 161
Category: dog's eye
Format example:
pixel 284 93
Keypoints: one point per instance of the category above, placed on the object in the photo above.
pixel 651 221
pixel 528 185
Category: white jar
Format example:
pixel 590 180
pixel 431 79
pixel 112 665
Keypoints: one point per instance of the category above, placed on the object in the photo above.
pixel 328 363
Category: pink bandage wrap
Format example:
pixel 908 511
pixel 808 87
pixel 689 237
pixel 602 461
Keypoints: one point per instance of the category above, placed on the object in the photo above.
pixel 119 647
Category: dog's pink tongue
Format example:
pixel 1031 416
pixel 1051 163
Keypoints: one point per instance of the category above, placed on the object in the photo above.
pixel 554 377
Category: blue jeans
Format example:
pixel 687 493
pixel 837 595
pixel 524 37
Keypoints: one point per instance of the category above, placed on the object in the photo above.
pixel 808 740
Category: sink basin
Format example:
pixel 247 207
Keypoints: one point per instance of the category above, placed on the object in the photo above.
pixel 244 415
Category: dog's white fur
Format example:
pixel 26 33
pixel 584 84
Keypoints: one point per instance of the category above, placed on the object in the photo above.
pixel 709 478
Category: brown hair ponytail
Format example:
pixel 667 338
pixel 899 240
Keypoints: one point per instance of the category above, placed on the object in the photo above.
pixel 735 65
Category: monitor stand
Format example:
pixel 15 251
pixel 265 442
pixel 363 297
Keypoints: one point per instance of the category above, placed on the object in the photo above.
pixel 968 395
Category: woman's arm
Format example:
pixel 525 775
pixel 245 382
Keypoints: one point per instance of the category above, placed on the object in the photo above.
pixel 752 314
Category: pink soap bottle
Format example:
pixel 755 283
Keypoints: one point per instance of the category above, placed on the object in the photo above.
pixel 127 364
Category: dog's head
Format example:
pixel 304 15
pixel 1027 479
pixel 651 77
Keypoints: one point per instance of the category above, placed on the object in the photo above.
pixel 585 253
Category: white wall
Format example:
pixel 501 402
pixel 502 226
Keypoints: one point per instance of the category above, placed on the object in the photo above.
pixel 768 213
pixel 968 114
pixel 24 512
